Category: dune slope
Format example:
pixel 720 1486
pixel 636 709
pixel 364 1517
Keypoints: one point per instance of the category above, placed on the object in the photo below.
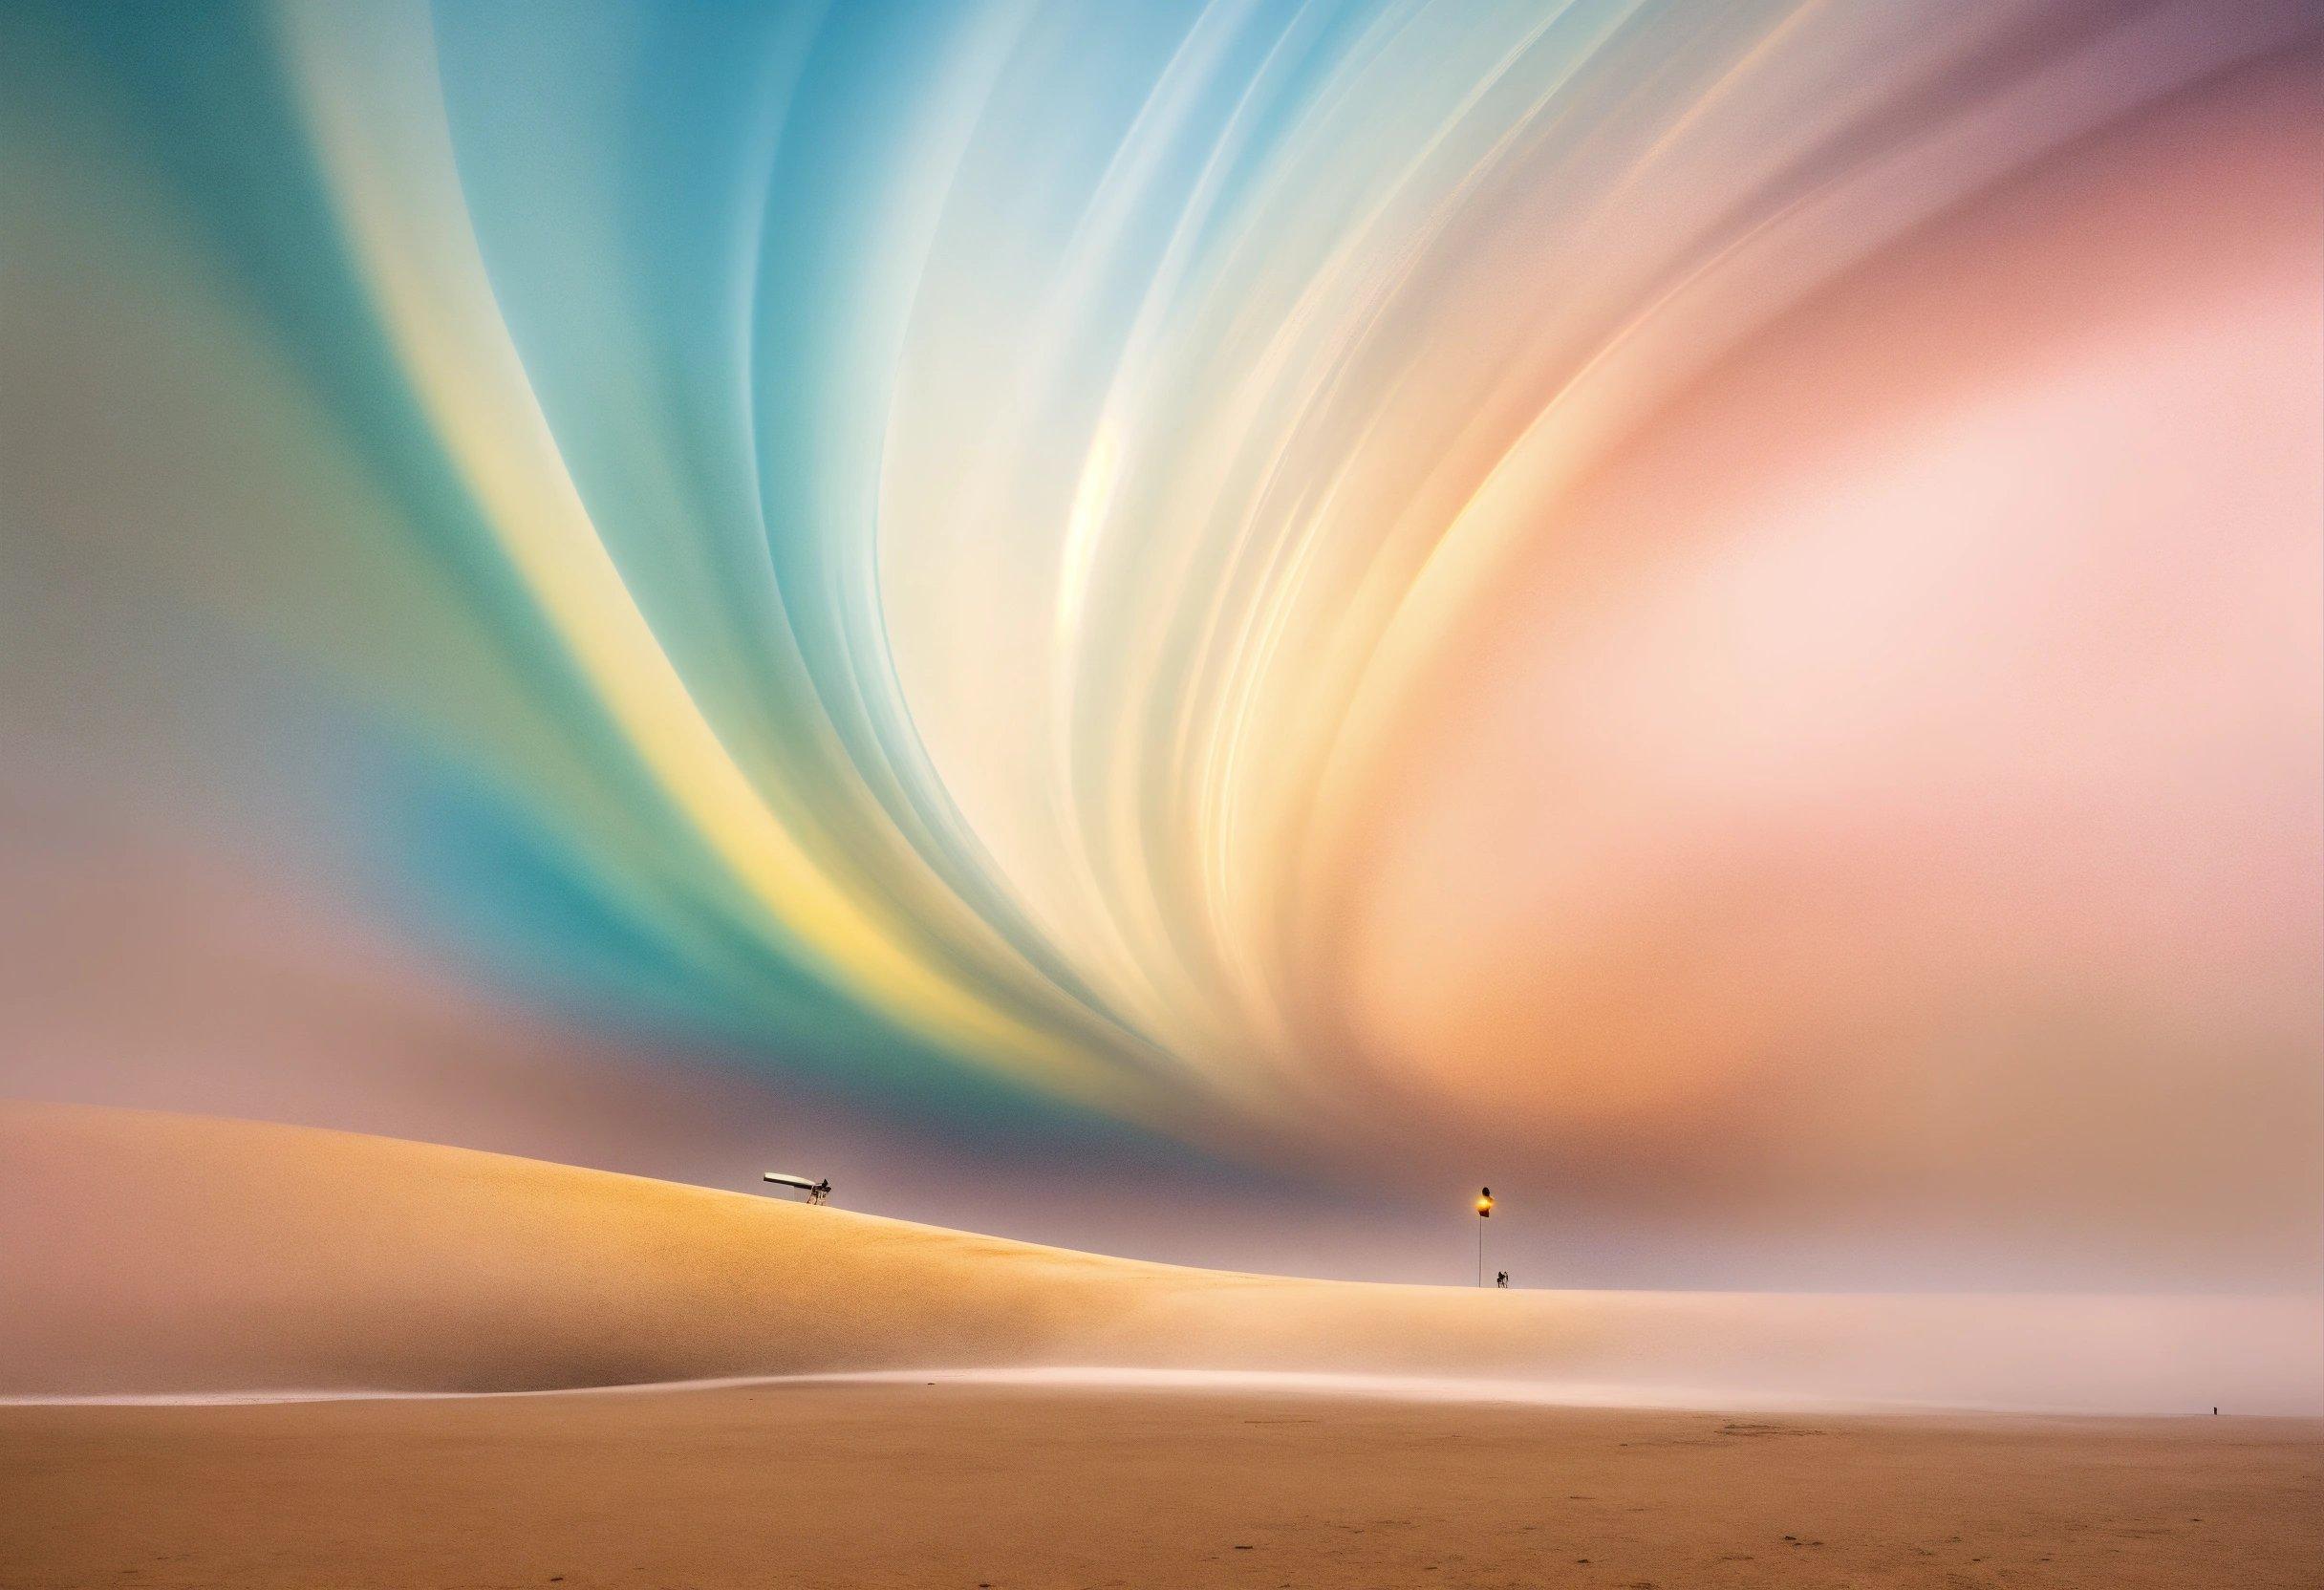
pixel 150 1254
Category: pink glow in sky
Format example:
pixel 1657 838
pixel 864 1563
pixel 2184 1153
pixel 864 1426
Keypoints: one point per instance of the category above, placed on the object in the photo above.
pixel 1711 614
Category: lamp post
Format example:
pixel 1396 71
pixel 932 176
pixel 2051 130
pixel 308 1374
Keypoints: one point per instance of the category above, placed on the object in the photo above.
pixel 1484 1212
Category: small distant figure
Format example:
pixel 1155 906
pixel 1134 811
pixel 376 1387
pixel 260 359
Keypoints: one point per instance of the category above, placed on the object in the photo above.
pixel 1501 1279
pixel 817 1191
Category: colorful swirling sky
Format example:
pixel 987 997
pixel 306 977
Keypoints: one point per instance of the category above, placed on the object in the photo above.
pixel 1716 604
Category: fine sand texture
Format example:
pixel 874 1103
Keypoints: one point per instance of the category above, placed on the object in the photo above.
pixel 149 1253
pixel 808 1486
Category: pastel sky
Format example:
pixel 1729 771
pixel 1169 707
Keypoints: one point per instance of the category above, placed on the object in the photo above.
pixel 1191 627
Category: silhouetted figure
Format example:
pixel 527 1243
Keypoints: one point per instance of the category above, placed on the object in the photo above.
pixel 1501 1279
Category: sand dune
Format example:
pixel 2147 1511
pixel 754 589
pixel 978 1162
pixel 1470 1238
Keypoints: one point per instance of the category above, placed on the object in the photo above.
pixel 149 1253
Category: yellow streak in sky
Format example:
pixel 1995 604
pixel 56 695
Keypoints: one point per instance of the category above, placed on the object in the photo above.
pixel 381 124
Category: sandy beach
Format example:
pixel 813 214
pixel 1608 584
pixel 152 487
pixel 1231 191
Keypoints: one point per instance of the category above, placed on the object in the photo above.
pixel 249 1355
pixel 816 1486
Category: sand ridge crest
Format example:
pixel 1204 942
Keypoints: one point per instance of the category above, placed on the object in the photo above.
pixel 158 1255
